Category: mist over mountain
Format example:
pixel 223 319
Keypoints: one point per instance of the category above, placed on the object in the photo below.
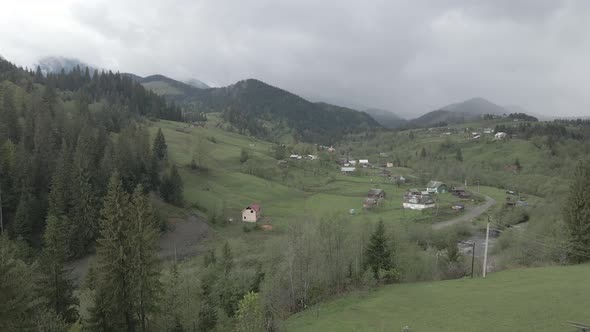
pixel 55 64
pixel 468 110
pixel 386 118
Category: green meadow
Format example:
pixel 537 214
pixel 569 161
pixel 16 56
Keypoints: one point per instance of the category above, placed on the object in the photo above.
pixel 536 299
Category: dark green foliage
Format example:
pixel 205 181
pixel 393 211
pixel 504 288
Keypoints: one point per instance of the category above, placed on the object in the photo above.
pixel 145 267
pixel 459 155
pixel 172 188
pixel 56 284
pixel 209 258
pixel 114 284
pixel 378 254
pixel 19 300
pixel 23 221
pixel 280 151
pixel 60 194
pixel 227 259
pixel 577 213
pixel 208 311
pixel 244 156
pixel 160 147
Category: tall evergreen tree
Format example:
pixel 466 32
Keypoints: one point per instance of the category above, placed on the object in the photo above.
pixel 60 195
pixel 160 147
pixel 378 253
pixel 115 283
pixel 23 221
pixel 144 238
pixel 55 284
pixel 208 311
pixel 172 187
pixel 577 213
pixel 84 212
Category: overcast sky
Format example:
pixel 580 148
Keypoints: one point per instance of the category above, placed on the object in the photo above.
pixel 409 57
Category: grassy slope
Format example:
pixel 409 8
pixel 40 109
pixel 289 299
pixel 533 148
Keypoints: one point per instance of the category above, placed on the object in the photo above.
pixel 539 299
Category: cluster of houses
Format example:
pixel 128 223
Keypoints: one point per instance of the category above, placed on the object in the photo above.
pixel 307 157
pixel 348 166
pixel 415 199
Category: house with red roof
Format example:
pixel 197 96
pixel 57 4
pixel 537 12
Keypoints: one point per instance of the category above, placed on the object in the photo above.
pixel 251 213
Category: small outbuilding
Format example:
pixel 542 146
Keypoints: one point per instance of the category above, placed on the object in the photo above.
pixel 347 170
pixel 251 213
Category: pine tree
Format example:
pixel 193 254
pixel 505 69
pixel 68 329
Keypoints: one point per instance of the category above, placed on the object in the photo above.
pixel 160 147
pixel 459 155
pixel 244 156
pixel 60 195
pixel 56 284
pixel 23 220
pixel 227 259
pixel 378 253
pixel 84 212
pixel 144 250
pixel 16 289
pixel 172 189
pixel 115 283
pixel 207 312
pixel 577 213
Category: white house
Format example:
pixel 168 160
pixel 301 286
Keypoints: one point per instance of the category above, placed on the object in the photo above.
pixel 389 165
pixel 500 135
pixel 295 156
pixel 488 131
pixel 347 170
pixel 251 213
pixel 364 162
pixel 437 187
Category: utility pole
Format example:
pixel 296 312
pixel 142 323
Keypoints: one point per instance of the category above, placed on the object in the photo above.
pixel 472 257
pixel 485 254
pixel 1 219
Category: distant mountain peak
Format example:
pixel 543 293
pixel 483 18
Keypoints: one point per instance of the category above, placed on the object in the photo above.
pixel 196 83
pixel 55 64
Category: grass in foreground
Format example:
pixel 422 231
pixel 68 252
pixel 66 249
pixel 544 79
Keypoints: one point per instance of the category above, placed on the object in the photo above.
pixel 536 299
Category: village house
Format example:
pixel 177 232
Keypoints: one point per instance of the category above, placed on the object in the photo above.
pixel 347 170
pixel 295 157
pixel 385 173
pixel 488 130
pixel 389 165
pixel 415 199
pixel 437 187
pixel 331 149
pixel 374 198
pixel 364 162
pixel 399 179
pixel 251 213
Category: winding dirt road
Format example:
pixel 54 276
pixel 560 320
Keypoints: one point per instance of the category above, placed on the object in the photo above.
pixel 468 215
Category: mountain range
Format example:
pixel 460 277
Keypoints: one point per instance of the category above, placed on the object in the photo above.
pixel 269 112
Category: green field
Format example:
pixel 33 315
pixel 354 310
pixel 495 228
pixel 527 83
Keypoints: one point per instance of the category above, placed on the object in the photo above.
pixel 226 185
pixel 536 299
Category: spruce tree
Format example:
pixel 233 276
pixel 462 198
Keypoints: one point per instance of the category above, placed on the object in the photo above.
pixel 208 311
pixel 55 284
pixel 144 238
pixel 23 220
pixel 84 212
pixel 16 289
pixel 60 194
pixel 172 188
pixel 378 253
pixel 459 155
pixel 160 147
pixel 115 284
pixel 577 213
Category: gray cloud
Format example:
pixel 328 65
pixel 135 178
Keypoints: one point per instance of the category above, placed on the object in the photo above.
pixel 406 56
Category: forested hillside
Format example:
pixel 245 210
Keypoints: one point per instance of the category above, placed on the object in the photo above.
pixel 256 108
pixel 76 167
